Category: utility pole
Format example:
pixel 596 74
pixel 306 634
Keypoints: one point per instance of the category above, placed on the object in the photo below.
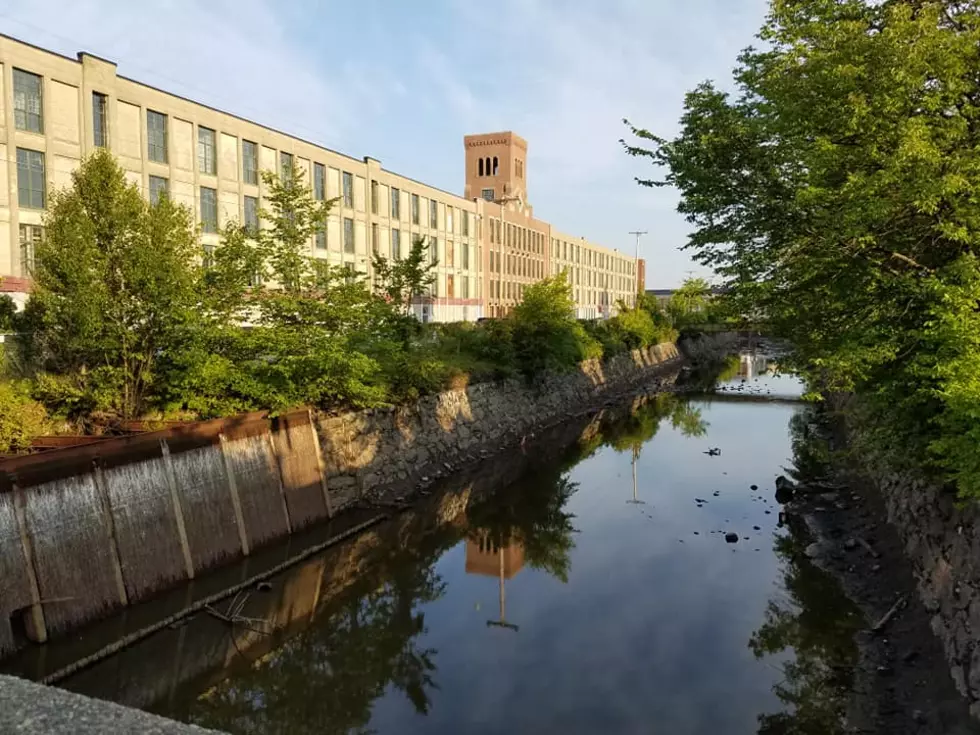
pixel 502 622
pixel 636 258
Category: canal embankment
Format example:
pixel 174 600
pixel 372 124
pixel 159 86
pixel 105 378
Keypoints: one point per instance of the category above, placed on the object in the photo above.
pixel 90 530
pixel 903 552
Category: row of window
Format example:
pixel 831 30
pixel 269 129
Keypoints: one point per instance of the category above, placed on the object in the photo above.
pixel 511 235
pixel 484 167
pixel 573 253
pixel 395 210
pixel 513 264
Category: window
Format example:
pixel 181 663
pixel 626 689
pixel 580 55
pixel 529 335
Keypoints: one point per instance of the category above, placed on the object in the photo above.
pixel 285 166
pixel 494 165
pixel 449 254
pixel 449 219
pixel 348 190
pixel 465 223
pixel 319 181
pixel 415 209
pixel 348 235
pixel 30 178
pixel 396 244
pixel 491 260
pixel 465 252
pixel 159 186
pixel 487 195
pixel 30 237
pixel 252 215
pixel 480 167
pixel 464 284
pixel 209 209
pixel 433 214
pixel 450 290
pixel 374 237
pixel 100 131
pixel 207 162
pixel 374 197
pixel 27 102
pixel 250 162
pixel 395 202
pixel 255 279
pixel 320 237
pixel 207 258
pixel 156 136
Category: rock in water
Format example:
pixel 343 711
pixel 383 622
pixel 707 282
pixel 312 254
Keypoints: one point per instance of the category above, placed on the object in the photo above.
pixel 784 490
pixel 731 538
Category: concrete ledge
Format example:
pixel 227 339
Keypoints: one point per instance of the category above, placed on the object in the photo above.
pixel 28 708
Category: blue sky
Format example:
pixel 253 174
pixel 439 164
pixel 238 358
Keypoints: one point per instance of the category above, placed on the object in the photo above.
pixel 403 82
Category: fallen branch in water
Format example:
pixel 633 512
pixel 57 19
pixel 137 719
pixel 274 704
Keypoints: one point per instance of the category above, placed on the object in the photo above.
pixel 868 547
pixel 880 625
pixel 138 635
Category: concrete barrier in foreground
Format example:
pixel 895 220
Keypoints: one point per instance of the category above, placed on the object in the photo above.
pixel 32 709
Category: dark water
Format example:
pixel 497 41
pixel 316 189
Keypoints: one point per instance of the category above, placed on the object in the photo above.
pixel 596 593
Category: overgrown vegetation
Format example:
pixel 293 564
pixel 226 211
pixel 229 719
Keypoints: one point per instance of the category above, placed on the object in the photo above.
pixel 130 318
pixel 836 191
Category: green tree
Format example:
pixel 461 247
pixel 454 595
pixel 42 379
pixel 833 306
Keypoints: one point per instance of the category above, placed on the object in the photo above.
pixel 315 332
pixel 690 304
pixel 289 224
pixel 546 336
pixel 836 192
pixel 401 280
pixel 115 282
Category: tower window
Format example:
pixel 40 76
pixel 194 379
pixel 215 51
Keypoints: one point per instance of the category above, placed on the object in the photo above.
pixel 494 165
pixel 481 167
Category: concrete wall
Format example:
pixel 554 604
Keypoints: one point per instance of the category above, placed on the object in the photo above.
pixel 88 530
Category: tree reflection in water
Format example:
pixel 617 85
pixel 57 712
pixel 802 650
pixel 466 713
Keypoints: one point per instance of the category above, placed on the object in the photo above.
pixel 368 638
pixel 815 621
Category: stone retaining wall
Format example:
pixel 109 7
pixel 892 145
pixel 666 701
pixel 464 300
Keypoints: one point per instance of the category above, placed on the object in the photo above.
pixel 942 540
pixel 88 530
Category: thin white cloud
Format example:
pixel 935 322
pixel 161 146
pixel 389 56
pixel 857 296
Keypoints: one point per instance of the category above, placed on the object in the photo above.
pixel 232 54
pixel 561 74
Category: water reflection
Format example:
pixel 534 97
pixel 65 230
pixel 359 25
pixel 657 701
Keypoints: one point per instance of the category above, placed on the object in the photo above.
pixel 550 604
pixel 813 620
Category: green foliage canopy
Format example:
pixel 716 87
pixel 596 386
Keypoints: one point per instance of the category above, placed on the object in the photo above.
pixel 837 191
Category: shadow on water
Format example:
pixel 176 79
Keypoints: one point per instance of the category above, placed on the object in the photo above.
pixel 814 622
pixel 381 633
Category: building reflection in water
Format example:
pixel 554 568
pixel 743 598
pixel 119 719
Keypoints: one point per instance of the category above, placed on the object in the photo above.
pixel 488 557
pixel 752 365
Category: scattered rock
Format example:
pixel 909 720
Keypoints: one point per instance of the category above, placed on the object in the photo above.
pixel 910 656
pixel 716 493
pixel 753 487
pixel 876 568
pixel 697 533
pixel 731 537
pixel 885 671
pixel 918 717
pixel 768 512
pixel 850 544
pixel 784 490
pixel 756 528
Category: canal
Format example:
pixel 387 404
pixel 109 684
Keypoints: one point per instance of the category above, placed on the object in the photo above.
pixel 589 582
